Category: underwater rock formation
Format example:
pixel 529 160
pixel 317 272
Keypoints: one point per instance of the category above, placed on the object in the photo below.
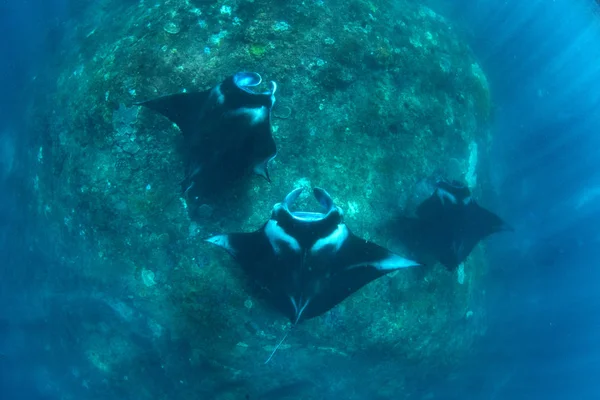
pixel 373 96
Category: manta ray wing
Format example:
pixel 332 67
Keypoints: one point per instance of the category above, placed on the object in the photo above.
pixel 269 269
pixel 346 267
pixel 182 109
pixel 483 223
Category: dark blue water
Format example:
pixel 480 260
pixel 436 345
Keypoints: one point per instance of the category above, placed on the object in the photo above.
pixel 543 62
pixel 542 59
pixel 29 34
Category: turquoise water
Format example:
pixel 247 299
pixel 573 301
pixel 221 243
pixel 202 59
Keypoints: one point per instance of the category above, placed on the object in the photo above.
pixel 107 291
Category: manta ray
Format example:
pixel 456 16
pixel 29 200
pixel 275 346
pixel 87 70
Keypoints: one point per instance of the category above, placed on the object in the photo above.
pixel 226 131
pixel 448 226
pixel 305 263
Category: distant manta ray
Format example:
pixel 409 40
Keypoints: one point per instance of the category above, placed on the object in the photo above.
pixel 226 130
pixel 305 263
pixel 448 226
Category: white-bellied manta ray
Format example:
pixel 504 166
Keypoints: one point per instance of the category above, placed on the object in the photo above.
pixel 449 225
pixel 305 263
pixel 226 130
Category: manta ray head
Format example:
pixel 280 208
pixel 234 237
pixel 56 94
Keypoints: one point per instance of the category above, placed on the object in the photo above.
pixel 308 228
pixel 331 216
pixel 452 192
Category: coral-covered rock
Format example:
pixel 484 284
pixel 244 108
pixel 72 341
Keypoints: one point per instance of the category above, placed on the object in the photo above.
pixel 374 96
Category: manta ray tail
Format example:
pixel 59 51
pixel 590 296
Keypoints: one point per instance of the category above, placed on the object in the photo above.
pixel 298 311
pixel 279 344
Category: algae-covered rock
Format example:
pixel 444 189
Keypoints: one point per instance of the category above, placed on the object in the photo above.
pixel 374 96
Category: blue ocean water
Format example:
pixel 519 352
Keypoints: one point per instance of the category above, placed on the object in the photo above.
pixel 543 62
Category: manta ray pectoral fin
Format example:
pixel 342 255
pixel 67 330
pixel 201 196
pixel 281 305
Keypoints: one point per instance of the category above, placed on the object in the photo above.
pixel 323 198
pixel 241 245
pixel 484 222
pixel 506 228
pixel 394 262
pixel 360 253
pixel 223 242
pixel 355 264
pixel 182 109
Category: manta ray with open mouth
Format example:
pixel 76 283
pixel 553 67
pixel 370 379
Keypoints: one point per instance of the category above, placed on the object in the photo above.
pixel 448 226
pixel 226 131
pixel 305 263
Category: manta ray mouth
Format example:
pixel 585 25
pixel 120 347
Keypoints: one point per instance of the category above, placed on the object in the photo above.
pixel 244 80
pixel 306 216
pixel 247 80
